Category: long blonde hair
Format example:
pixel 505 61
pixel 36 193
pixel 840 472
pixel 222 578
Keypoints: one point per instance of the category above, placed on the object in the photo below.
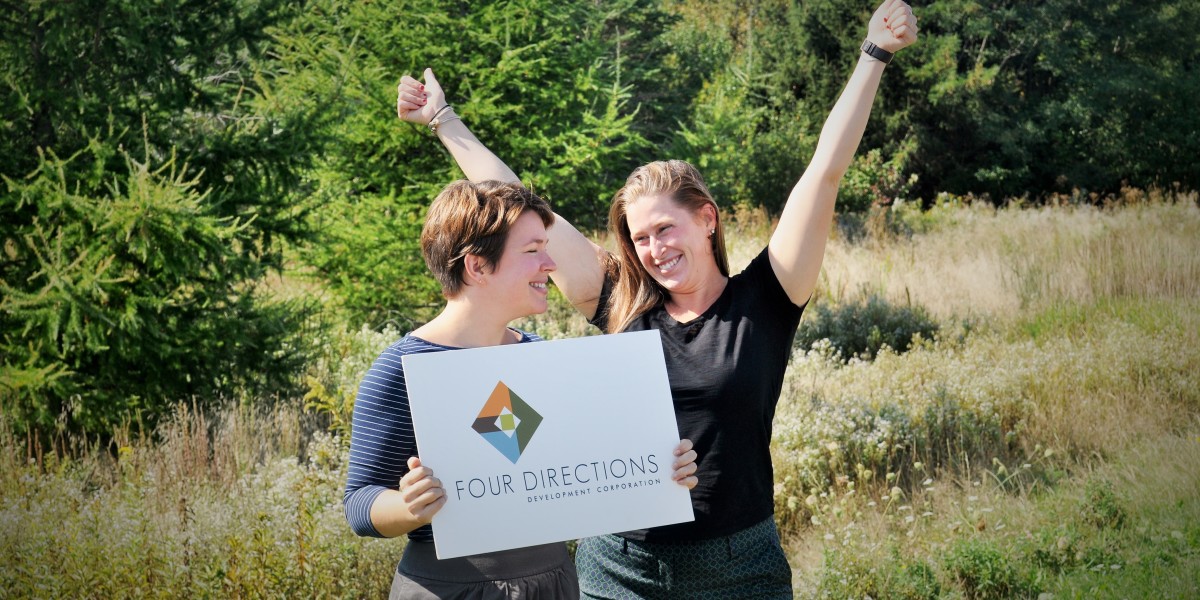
pixel 634 290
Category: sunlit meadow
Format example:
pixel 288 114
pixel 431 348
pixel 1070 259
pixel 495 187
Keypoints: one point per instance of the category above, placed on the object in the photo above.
pixel 1045 443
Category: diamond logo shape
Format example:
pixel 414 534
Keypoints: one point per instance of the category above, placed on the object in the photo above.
pixel 507 422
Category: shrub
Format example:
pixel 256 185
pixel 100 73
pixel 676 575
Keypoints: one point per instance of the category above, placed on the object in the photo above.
pixel 875 182
pixel 1056 548
pixel 1101 507
pixel 343 356
pixel 145 192
pixel 984 572
pixel 862 328
pixel 849 574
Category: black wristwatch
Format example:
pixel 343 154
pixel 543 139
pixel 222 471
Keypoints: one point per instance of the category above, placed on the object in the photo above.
pixel 876 52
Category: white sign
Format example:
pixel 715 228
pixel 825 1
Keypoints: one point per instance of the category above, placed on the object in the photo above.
pixel 549 441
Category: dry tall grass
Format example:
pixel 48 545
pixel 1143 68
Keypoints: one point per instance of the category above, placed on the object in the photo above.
pixel 1004 263
pixel 1082 363
pixel 243 503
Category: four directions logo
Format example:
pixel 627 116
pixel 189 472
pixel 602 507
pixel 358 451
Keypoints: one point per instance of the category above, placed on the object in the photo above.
pixel 507 422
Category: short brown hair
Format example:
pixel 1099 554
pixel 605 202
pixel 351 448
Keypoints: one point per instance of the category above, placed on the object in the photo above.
pixel 473 218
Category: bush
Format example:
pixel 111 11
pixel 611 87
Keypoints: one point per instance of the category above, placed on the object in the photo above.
pixel 342 357
pixel 145 192
pixel 862 328
pixel 1101 507
pixel 984 572
pixel 850 574
pixel 1056 549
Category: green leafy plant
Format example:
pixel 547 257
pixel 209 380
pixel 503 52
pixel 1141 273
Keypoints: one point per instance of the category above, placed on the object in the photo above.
pixel 147 191
pixel 985 572
pixel 1101 507
pixel 548 86
pixel 861 328
pixel 341 359
pixel 850 574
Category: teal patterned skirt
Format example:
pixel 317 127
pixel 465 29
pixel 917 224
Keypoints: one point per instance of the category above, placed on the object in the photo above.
pixel 747 564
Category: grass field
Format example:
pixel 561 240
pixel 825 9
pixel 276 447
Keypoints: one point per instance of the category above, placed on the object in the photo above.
pixel 1044 444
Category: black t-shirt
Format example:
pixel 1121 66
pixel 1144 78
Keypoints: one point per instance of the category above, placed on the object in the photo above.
pixel 726 370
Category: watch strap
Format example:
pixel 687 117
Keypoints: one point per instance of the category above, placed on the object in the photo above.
pixel 876 52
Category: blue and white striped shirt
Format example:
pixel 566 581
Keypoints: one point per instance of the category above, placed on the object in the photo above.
pixel 381 438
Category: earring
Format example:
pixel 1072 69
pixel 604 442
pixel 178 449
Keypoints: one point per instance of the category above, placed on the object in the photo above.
pixel 712 232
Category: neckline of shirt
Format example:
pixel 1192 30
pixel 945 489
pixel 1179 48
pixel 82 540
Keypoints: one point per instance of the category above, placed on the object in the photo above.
pixel 524 338
pixel 704 315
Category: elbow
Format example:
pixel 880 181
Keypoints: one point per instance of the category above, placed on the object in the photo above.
pixel 825 173
pixel 356 506
pixel 362 527
pixel 831 176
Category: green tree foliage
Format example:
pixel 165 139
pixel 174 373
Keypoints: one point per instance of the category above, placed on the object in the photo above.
pixel 1113 88
pixel 1004 98
pixel 547 85
pixel 574 95
pixel 158 158
pixel 132 302
pixel 749 146
pixel 754 126
pixel 129 278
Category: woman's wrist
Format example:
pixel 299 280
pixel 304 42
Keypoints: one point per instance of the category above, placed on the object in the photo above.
pixel 870 61
pixel 443 115
pixel 870 49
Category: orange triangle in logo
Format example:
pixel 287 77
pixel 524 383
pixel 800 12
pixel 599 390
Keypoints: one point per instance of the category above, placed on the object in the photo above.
pixel 497 402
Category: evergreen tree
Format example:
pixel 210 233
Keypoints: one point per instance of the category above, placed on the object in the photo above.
pixel 149 180
pixel 547 85
pixel 1007 98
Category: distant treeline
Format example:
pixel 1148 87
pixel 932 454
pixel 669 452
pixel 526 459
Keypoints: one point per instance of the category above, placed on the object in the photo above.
pixel 159 159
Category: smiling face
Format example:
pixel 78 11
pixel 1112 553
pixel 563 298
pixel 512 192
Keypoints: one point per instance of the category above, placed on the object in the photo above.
pixel 516 284
pixel 471 226
pixel 673 244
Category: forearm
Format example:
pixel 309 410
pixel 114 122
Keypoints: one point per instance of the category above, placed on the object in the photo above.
pixel 798 243
pixel 843 129
pixel 476 160
pixel 390 515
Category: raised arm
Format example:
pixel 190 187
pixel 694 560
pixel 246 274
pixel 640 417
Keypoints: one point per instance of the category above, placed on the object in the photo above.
pixel 797 246
pixel 419 103
pixel 580 272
